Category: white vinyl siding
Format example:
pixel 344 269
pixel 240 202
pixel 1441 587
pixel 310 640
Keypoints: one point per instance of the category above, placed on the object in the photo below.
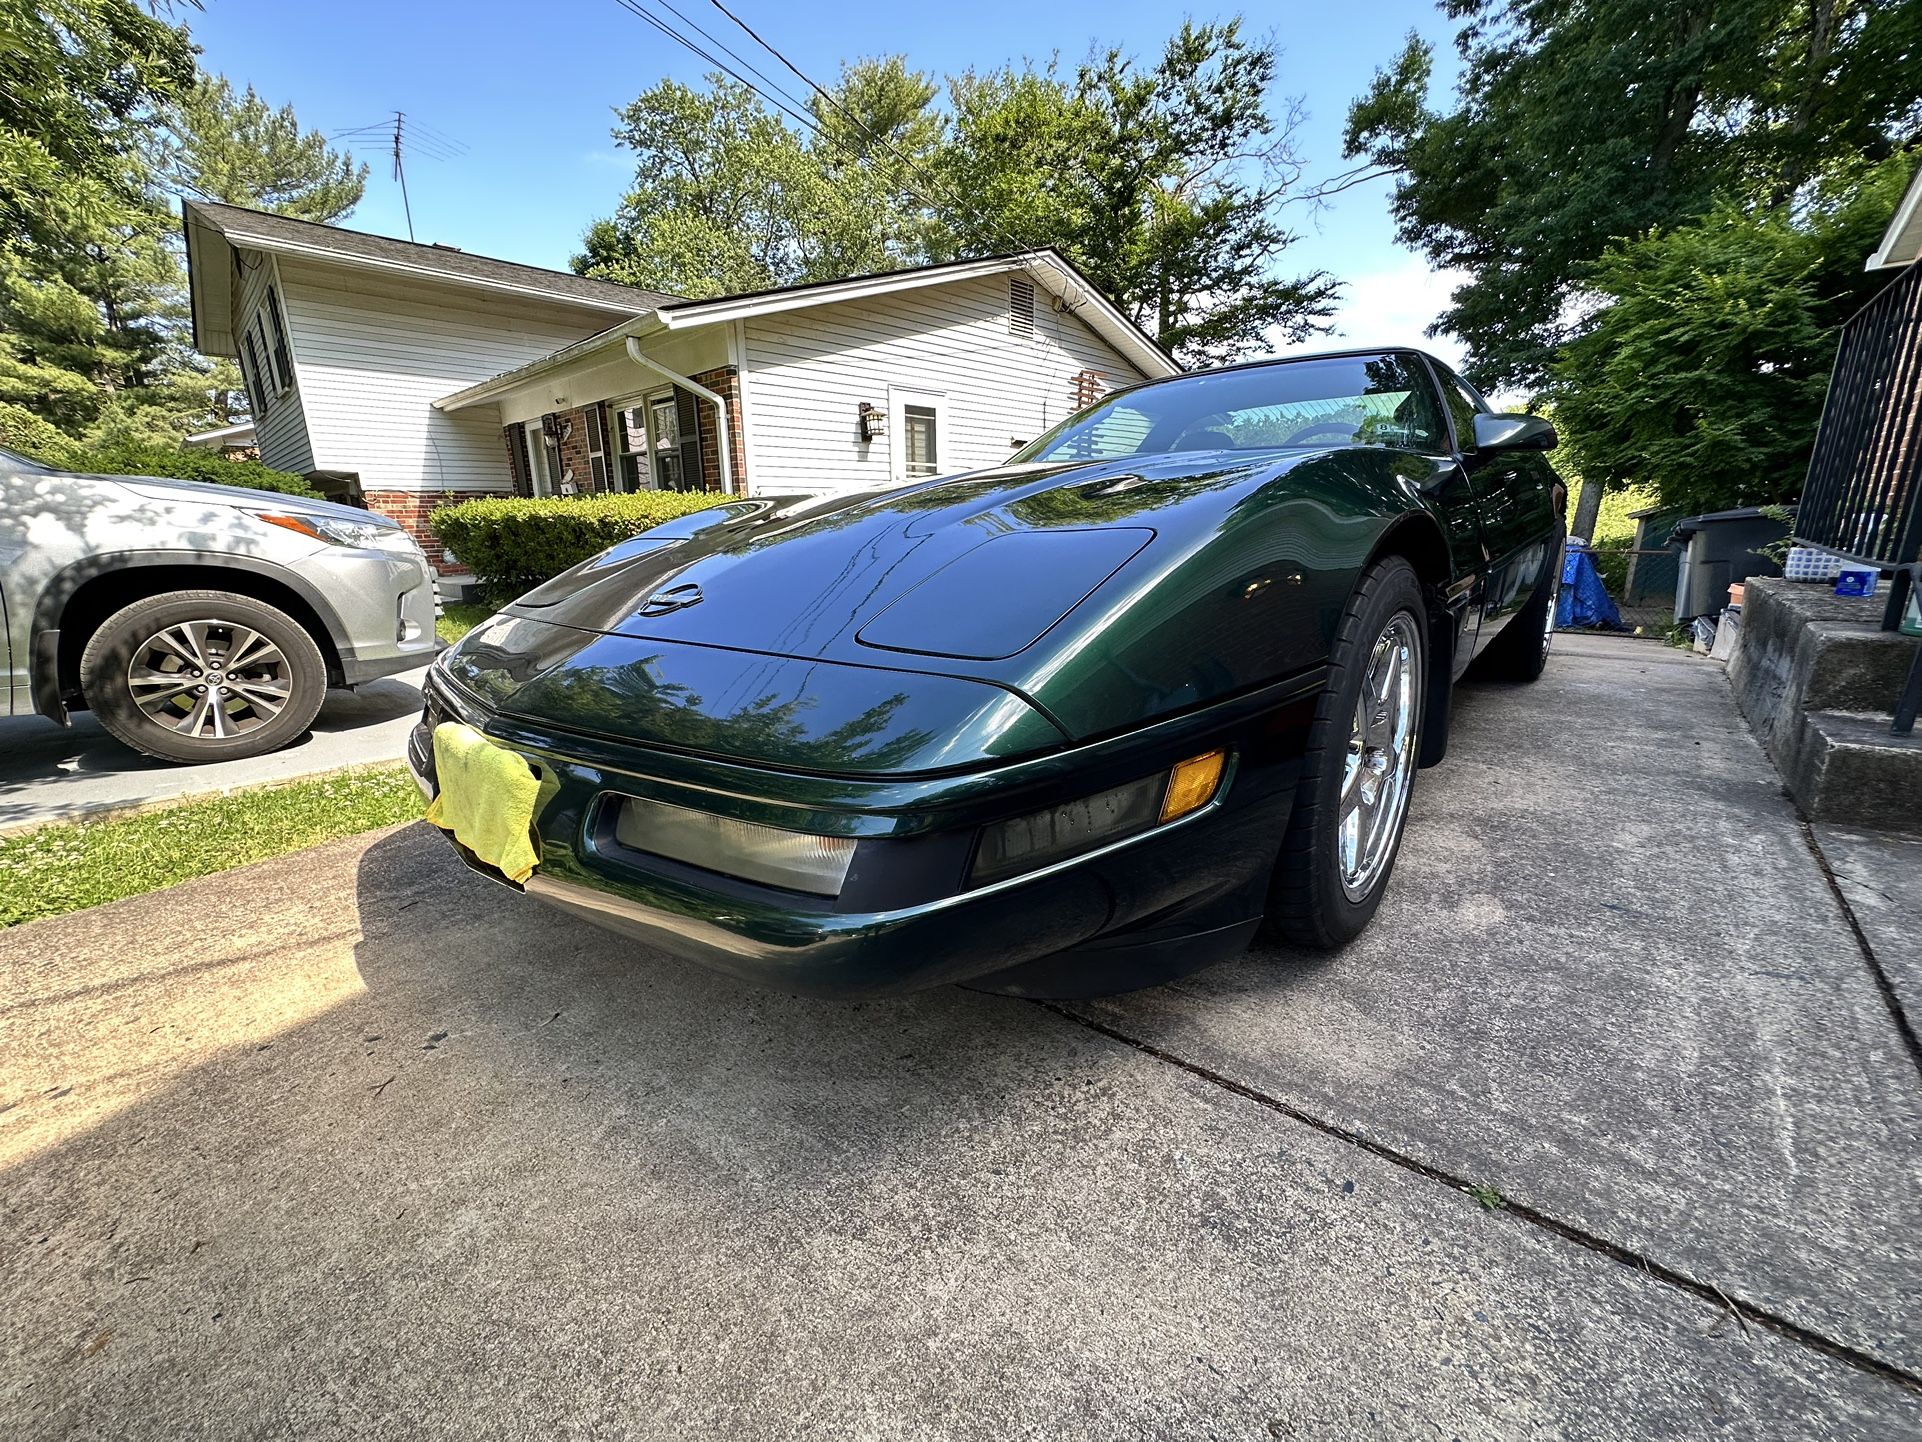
pixel 280 427
pixel 809 370
pixel 374 353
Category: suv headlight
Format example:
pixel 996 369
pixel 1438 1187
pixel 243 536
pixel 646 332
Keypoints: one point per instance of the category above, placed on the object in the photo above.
pixel 384 535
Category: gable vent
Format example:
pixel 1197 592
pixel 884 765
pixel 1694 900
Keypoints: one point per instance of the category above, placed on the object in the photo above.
pixel 1020 306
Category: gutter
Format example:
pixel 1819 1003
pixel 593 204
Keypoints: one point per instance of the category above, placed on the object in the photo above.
pixel 721 431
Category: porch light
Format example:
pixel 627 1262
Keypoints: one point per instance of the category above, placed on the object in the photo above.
pixel 874 422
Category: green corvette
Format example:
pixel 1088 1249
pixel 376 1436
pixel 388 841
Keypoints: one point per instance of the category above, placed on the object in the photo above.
pixel 1073 725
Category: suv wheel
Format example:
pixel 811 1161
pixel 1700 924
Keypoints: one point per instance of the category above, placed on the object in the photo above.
pixel 196 676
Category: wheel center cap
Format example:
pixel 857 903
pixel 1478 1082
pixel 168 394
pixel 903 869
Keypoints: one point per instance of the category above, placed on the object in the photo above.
pixel 216 678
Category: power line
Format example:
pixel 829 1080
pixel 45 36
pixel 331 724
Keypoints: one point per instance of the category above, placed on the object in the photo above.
pixel 735 54
pixel 798 116
pixel 882 140
pixel 798 110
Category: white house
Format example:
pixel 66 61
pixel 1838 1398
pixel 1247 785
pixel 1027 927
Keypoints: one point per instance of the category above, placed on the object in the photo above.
pixel 403 375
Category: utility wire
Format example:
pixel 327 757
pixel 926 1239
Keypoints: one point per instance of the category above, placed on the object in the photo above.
pixel 800 117
pixel 745 64
pixel 933 194
pixel 942 196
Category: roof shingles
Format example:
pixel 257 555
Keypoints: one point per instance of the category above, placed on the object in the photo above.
pixel 240 225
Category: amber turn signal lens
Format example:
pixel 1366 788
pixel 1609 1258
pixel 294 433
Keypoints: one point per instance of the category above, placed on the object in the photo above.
pixel 1192 784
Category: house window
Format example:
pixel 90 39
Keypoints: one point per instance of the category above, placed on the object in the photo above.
pixel 247 381
pixel 921 440
pixel 664 423
pixel 282 358
pixel 918 438
pixel 658 445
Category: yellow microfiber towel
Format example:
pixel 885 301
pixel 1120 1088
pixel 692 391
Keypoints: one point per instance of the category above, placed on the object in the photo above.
pixel 487 799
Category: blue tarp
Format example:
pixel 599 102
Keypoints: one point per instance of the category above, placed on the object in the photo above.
pixel 1584 602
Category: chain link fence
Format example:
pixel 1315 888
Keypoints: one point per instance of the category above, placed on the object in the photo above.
pixel 1642 584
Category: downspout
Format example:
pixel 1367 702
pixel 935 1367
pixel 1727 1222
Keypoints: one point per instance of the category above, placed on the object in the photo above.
pixel 726 419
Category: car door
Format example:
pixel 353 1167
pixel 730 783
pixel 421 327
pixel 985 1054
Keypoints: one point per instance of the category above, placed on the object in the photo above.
pixel 1513 498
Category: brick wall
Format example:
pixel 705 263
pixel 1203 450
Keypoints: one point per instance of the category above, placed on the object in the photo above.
pixel 412 508
pixel 723 382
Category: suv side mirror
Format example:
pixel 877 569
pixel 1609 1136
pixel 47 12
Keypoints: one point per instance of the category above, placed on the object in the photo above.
pixel 1511 432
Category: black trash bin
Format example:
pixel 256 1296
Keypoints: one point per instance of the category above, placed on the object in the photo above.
pixel 1722 548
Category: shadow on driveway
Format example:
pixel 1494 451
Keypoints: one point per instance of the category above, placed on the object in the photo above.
pixel 404 1153
pixel 49 772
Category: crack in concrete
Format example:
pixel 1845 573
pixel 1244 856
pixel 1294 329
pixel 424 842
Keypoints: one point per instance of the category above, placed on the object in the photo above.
pixel 1897 1013
pixel 1745 1312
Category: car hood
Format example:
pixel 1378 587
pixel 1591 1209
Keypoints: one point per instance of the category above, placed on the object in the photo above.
pixel 161 488
pixel 988 614
pixel 978 567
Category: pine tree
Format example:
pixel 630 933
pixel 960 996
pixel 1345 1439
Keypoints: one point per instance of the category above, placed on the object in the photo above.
pixel 241 151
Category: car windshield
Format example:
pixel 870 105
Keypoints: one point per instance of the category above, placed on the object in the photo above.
pixel 13 460
pixel 1381 400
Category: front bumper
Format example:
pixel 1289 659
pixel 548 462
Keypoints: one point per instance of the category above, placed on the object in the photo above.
pixel 906 920
pixel 383 605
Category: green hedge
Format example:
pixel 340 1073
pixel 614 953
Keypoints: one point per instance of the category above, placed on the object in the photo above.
pixel 513 544
pixel 182 463
pixel 22 431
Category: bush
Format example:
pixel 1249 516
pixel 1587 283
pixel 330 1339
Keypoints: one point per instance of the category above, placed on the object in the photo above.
pixel 33 437
pixel 513 543
pixel 181 463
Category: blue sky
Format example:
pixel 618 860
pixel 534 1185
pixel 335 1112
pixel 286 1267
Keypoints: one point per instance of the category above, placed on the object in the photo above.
pixel 528 89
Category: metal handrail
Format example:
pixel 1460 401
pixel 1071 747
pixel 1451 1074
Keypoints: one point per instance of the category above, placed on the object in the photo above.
pixel 1863 496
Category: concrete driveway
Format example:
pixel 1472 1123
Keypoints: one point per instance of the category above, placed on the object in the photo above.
pixel 356 1144
pixel 53 773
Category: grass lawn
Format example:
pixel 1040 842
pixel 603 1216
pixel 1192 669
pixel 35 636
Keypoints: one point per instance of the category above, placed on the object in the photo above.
pixel 57 869
pixel 457 620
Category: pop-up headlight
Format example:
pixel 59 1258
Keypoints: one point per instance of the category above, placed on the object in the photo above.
pixel 794 860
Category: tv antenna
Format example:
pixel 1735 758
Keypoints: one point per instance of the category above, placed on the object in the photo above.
pixel 408 136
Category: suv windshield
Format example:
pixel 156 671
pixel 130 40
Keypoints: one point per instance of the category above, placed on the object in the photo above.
pixel 1382 400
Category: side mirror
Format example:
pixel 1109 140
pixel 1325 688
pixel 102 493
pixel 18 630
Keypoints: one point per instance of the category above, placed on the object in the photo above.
pixel 1510 432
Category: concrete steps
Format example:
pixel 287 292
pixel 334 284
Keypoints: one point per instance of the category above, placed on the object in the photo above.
pixel 1850 769
pixel 1817 679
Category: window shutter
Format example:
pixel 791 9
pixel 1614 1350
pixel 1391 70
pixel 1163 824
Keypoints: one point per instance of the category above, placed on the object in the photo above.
pixel 687 418
pixel 517 459
pixel 597 448
pixel 283 359
pixel 1020 306
pixel 262 382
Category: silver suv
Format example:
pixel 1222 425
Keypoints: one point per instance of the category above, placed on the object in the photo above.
pixel 198 622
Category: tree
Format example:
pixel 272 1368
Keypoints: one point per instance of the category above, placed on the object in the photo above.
pixel 728 197
pixel 241 151
pixel 1162 182
pixel 1704 372
pixel 83 266
pixel 1576 125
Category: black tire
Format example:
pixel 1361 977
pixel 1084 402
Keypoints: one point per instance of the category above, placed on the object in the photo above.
pixel 1520 652
pixel 272 695
pixel 1308 902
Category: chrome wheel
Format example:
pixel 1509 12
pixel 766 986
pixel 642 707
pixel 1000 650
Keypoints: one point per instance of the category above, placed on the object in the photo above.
pixel 209 680
pixel 1380 765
